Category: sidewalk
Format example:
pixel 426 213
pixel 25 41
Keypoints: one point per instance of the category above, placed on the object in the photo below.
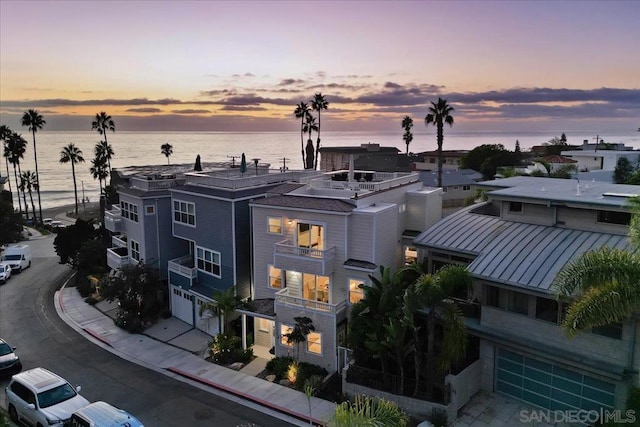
pixel 175 349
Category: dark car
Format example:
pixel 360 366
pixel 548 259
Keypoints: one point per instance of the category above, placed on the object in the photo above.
pixel 9 362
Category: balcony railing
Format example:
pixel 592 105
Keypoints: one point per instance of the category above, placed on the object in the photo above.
pixel 117 257
pixel 184 266
pixel 380 181
pixel 469 309
pixel 119 241
pixel 113 219
pixel 284 296
pixel 310 260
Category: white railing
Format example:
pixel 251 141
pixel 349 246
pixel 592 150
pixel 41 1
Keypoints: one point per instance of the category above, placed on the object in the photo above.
pixel 283 297
pixel 286 247
pixel 114 260
pixel 184 266
pixel 119 240
pixel 233 179
pixel 113 220
pixel 381 181
pixel 153 184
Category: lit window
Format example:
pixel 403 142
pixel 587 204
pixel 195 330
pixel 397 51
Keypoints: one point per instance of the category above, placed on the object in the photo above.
pixel 314 343
pixel 315 288
pixel 284 330
pixel 135 250
pixel 184 212
pixel 275 277
pixel 263 325
pixel 208 261
pixel 356 293
pixel 275 225
pixel 410 255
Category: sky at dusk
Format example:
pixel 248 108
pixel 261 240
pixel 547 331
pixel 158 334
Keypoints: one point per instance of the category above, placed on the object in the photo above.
pixel 243 66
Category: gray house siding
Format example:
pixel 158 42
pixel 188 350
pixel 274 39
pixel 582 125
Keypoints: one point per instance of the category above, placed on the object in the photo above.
pixel 243 248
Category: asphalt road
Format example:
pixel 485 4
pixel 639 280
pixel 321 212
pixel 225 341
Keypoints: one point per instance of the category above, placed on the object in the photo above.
pixel 28 321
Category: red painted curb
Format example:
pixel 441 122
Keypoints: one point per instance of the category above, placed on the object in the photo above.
pixel 316 422
pixel 97 336
pixel 60 301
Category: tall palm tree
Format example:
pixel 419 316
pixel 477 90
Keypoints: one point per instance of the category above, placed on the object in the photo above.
pixel 603 283
pixel 5 133
pixel 28 182
pixel 439 114
pixel 407 124
pixel 301 112
pixel 318 103
pixel 99 170
pixel 102 123
pixel 16 147
pixel 167 150
pixel 34 121
pixel 309 126
pixel 72 154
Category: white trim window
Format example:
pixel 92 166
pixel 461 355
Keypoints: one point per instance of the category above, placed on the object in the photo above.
pixel 314 343
pixel 356 293
pixel 208 261
pixel 129 211
pixel 184 213
pixel 275 277
pixel 284 330
pixel 135 250
pixel 274 225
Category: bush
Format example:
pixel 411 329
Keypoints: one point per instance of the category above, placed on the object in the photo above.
pixel 279 366
pixel 227 349
pixel 84 285
pixel 438 418
pixel 307 371
pixel 129 321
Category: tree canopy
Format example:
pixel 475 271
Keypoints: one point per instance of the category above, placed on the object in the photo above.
pixel 487 158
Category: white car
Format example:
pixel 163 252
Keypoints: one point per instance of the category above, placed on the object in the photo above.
pixel 5 272
pixel 38 397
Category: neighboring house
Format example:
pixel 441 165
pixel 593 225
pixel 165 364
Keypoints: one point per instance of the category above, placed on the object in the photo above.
pixel 607 160
pixel 450 160
pixel 313 245
pixel 369 156
pixel 457 185
pixel 513 246
pixel 196 227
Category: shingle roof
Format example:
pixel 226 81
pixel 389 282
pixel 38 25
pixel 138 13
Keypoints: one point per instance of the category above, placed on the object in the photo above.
pixel 513 253
pixel 301 202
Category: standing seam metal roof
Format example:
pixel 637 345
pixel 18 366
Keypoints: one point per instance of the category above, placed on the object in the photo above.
pixel 516 254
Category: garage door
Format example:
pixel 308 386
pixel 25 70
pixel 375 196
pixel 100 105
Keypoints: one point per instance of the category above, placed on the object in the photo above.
pixel 182 304
pixel 549 385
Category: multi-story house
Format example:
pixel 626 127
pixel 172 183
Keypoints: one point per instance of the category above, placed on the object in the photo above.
pixel 196 227
pixel 315 244
pixel 514 245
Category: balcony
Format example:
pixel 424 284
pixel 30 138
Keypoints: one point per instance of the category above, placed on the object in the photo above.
pixel 117 257
pixel 309 260
pixel 288 297
pixel 119 241
pixel 184 266
pixel 113 220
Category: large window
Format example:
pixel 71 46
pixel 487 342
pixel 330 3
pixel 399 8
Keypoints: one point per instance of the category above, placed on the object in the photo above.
pixel 129 211
pixel 284 330
pixel 275 225
pixel 315 288
pixel 613 330
pixel 314 343
pixel 492 296
pixel 184 212
pixel 356 293
pixel 614 217
pixel 518 302
pixel 547 309
pixel 208 261
pixel 135 250
pixel 275 277
pixel 310 236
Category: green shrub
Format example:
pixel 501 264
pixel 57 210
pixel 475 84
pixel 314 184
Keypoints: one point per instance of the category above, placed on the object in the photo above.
pixel 307 371
pixel 438 418
pixel 227 349
pixel 279 366
pixel 84 285
pixel 129 321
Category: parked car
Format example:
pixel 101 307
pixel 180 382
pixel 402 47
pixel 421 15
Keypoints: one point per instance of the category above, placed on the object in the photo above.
pixel 9 361
pixel 40 397
pixel 5 272
pixel 101 414
pixel 18 257
pixel 47 221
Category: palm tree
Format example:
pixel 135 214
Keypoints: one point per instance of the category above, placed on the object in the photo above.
pixel 102 123
pixel 28 182
pixel 167 150
pixel 224 302
pixel 99 170
pixel 603 282
pixel 72 154
pixel 301 112
pixel 309 126
pixel 318 103
pixel 407 124
pixel 5 133
pixel 34 121
pixel 439 114
pixel 16 146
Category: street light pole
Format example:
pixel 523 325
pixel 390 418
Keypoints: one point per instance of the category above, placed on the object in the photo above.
pixel 84 207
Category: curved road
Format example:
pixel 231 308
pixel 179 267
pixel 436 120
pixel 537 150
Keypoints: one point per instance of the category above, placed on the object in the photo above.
pixel 28 321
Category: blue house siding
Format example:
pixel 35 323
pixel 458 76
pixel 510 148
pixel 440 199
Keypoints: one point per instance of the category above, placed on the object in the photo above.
pixel 170 247
pixel 179 280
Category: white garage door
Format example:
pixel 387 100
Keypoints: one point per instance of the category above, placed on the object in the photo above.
pixel 182 304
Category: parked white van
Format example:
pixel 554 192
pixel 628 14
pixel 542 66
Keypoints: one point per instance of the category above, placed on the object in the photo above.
pixel 101 414
pixel 18 257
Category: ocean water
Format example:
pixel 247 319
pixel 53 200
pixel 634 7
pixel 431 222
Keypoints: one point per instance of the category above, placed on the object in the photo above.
pixel 143 148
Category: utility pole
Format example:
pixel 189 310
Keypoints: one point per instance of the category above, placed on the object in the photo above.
pixel 84 207
pixel 598 141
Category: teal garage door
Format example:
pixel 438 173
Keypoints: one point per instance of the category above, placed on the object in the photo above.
pixel 550 386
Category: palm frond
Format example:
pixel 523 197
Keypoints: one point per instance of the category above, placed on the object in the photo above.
pixel 454 343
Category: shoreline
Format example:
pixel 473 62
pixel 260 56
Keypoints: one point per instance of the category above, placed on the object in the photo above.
pixel 92 210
